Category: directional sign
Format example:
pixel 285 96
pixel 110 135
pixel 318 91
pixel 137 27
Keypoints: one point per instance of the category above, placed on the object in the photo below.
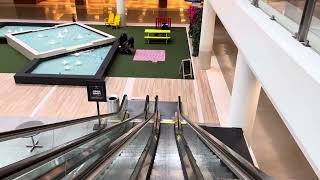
pixel 96 91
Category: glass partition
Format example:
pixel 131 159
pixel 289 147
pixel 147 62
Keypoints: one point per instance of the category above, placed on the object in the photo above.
pixel 314 30
pixel 299 17
pixel 288 13
pixel 48 140
pixel 78 158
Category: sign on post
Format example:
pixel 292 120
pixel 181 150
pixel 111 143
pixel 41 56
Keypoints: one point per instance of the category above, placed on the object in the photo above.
pixel 97 92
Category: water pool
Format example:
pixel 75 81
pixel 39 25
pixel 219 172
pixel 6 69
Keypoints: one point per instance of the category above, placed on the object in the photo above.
pixel 16 29
pixel 56 40
pixel 80 63
pixel 63 36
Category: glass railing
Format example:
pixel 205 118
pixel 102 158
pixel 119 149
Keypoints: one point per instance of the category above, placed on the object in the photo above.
pixel 47 140
pixel 33 137
pixel 299 17
pixel 80 157
pixel 283 12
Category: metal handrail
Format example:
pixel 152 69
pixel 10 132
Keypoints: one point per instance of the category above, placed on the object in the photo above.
pixel 117 144
pixel 4 136
pixel 189 165
pixel 235 162
pixel 144 165
pixel 46 156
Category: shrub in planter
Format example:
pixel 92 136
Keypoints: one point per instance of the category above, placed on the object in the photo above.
pixel 196 32
pixel 192 17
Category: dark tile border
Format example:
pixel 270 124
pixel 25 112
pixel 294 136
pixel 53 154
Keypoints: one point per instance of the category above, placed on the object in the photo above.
pixel 25 77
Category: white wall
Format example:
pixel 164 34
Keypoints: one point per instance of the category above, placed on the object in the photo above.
pixel 288 71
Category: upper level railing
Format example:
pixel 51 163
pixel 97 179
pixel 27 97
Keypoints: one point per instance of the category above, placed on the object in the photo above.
pixel 299 17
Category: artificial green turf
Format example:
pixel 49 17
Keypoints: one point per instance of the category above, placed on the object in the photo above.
pixel 12 61
pixel 176 50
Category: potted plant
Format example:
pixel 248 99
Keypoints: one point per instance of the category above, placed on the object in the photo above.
pixel 196 32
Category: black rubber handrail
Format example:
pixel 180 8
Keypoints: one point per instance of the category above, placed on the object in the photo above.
pixel 116 145
pixel 144 165
pixel 4 136
pixel 20 167
pixel 189 166
pixel 235 162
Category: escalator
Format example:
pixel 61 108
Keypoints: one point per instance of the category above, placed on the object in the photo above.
pixel 167 162
pixel 46 137
pixel 145 149
pixel 113 129
pixel 209 164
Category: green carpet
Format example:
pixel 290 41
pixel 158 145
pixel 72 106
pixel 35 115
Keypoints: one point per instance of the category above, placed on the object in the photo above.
pixel 11 61
pixel 123 65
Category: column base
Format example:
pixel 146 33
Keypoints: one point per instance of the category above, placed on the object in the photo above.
pixel 205 59
pixel 123 21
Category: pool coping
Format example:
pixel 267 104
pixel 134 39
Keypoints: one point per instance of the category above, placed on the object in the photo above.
pixel 31 53
pixel 3 39
pixel 26 77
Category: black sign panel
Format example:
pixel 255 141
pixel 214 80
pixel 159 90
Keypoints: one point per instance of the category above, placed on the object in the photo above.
pixel 96 91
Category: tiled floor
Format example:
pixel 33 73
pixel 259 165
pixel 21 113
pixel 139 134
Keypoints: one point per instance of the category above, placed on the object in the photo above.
pixel 274 148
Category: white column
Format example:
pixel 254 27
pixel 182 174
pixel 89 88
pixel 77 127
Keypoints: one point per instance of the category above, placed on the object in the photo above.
pixel 245 97
pixel 121 10
pixel 206 38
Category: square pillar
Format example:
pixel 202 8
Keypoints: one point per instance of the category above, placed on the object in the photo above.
pixel 206 37
pixel 245 98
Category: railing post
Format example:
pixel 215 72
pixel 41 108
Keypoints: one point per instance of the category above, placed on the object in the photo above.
pixel 306 21
pixel 255 3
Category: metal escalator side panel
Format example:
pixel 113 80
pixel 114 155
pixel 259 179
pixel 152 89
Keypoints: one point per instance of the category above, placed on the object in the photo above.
pixel 144 166
pixel 211 166
pixel 115 146
pixel 67 162
pixel 110 150
pixel 123 164
pixel 190 168
pixel 18 168
pixel 235 162
pixel 132 148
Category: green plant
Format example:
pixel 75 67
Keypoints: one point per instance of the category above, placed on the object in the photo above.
pixel 196 32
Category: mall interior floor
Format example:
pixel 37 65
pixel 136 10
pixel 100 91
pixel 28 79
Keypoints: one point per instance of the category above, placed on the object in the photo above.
pixel 274 147
pixel 138 11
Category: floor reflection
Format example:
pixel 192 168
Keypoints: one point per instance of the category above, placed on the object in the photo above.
pixel 138 11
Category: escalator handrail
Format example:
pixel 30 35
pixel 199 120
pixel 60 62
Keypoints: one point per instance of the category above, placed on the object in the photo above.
pixel 62 149
pixel 144 165
pixel 225 153
pixel 91 169
pixel 4 136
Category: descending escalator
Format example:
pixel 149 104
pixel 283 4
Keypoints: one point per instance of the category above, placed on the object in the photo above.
pixel 123 165
pixel 167 162
pixel 209 164
pixel 144 148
